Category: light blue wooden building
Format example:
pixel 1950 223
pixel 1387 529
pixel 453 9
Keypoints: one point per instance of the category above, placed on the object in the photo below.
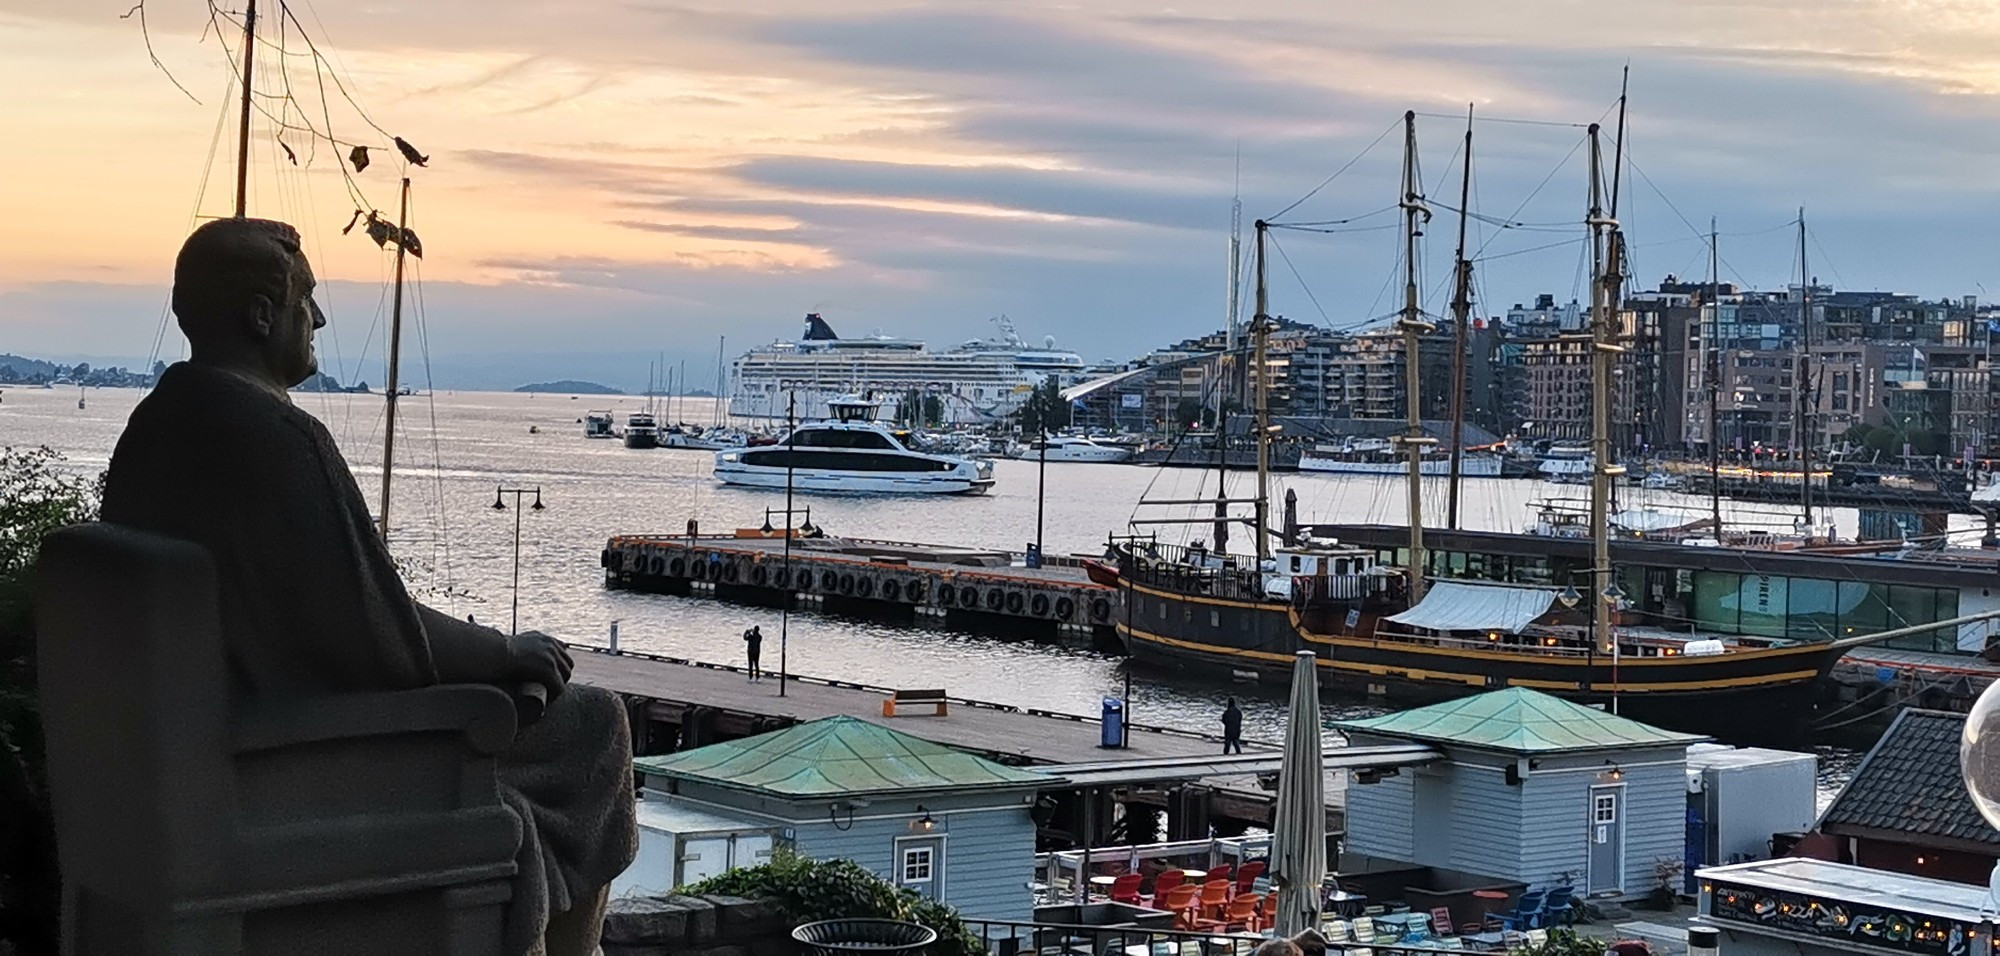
pixel 1532 788
pixel 949 824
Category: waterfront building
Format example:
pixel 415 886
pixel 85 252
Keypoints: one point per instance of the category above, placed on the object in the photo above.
pixel 1531 788
pixel 1906 810
pixel 948 824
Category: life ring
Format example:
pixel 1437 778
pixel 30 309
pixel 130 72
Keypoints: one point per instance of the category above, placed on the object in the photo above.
pixel 916 593
pixel 1014 602
pixel 847 582
pixel 891 590
pixel 760 575
pixel 863 586
pixel 1100 609
pixel 828 580
pixel 968 596
pixel 1040 605
pixel 1064 608
pixel 675 567
pixel 994 599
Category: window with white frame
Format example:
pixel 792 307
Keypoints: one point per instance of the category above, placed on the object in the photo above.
pixel 1606 808
pixel 917 864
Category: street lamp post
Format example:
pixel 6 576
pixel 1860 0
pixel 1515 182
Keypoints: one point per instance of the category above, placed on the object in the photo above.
pixel 514 613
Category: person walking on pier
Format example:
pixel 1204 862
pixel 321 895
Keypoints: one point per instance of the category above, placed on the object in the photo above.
pixel 753 645
pixel 1232 728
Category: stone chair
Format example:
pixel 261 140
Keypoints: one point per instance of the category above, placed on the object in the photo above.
pixel 188 822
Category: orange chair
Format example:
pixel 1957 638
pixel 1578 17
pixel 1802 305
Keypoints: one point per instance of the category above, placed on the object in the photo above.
pixel 1242 915
pixel 1126 888
pixel 1165 883
pixel 1214 898
pixel 1247 874
pixel 1222 872
pixel 1182 901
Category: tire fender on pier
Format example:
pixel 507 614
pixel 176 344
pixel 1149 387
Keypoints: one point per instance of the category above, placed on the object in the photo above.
pixel 1100 610
pixel 916 592
pixel 968 597
pixel 698 567
pixel 1015 602
pixel 760 575
pixel 864 586
pixel 946 594
pixel 675 567
pixel 892 590
pixel 1065 608
pixel 1039 605
pixel 847 582
pixel 994 598
pixel 828 580
pixel 729 572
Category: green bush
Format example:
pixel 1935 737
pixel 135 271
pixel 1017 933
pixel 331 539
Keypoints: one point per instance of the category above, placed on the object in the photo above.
pixel 37 496
pixel 810 890
pixel 1564 941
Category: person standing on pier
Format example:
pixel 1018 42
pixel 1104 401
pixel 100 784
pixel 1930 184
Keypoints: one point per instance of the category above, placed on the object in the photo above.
pixel 753 645
pixel 1232 728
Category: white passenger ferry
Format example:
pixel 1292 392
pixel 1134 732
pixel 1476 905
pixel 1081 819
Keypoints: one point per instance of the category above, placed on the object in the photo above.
pixel 852 452
pixel 982 380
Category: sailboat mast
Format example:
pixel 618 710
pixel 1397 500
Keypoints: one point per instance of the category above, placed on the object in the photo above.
pixel 1714 380
pixel 1461 312
pixel 1233 310
pixel 1413 327
pixel 395 356
pixel 243 124
pixel 1606 246
pixel 1807 428
pixel 1259 331
pixel 715 414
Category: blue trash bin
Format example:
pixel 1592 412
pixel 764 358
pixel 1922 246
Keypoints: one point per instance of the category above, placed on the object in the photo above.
pixel 1114 723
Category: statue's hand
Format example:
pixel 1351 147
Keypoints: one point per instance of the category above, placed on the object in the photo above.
pixel 538 658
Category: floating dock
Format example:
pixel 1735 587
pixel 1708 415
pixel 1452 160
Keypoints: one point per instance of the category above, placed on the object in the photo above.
pixel 961 585
pixel 678 704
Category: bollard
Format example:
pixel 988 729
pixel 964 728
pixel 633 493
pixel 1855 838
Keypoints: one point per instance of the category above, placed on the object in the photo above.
pixel 614 637
pixel 1704 941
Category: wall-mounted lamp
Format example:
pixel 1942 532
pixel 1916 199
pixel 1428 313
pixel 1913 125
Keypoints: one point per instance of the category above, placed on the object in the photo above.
pixel 1616 772
pixel 925 823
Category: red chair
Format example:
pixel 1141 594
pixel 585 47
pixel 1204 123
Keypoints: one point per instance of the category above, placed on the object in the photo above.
pixel 1165 883
pixel 1126 889
pixel 1247 874
pixel 1222 872
pixel 1182 902
pixel 1441 924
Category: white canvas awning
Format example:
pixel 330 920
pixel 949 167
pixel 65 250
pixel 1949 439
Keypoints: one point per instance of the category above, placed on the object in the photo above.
pixel 1451 606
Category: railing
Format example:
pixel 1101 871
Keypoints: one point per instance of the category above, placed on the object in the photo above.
pixel 1183 570
pixel 1018 938
pixel 1064 874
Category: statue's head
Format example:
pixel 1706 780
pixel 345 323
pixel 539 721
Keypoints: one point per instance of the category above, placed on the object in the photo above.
pixel 243 294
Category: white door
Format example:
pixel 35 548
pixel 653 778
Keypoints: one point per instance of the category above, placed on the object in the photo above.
pixel 704 857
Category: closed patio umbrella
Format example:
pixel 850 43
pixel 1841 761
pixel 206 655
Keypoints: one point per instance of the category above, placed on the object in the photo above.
pixel 1298 835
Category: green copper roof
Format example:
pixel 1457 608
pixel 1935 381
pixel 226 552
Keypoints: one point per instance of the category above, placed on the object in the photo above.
pixel 1518 720
pixel 839 756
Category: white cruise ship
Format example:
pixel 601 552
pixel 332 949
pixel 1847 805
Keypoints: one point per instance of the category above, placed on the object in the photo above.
pixel 980 381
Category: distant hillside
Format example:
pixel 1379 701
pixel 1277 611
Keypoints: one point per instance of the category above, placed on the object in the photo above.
pixel 571 387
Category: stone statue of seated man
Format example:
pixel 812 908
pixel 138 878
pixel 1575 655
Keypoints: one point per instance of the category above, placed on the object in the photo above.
pixel 310 601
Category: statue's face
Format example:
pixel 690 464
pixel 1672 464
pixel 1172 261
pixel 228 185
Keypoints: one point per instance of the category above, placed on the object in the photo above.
pixel 288 340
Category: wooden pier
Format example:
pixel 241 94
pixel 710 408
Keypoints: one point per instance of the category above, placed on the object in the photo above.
pixel 677 704
pixel 918 580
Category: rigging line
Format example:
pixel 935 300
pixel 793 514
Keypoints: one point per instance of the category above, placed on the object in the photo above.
pixel 146 34
pixel 194 214
pixel 1302 283
pixel 1523 252
pixel 1330 222
pixel 437 455
pixel 1823 257
pixel 1335 232
pixel 1504 119
pixel 1336 173
pixel 1479 254
pixel 1504 223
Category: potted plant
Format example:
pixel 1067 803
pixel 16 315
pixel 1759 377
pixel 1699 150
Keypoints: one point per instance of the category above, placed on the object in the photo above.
pixel 1667 872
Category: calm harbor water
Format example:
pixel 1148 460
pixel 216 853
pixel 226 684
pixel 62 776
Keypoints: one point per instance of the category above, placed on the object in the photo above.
pixel 454 449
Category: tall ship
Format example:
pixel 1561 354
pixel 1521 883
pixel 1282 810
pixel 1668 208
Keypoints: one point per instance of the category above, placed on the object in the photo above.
pixel 983 380
pixel 1726 641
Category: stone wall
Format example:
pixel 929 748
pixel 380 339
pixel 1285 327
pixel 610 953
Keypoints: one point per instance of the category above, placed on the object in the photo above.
pixel 696 926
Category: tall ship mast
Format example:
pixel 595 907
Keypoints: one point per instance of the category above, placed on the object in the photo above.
pixel 1392 611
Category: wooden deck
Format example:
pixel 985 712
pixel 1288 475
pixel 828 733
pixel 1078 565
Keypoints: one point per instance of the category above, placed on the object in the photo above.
pixel 1028 736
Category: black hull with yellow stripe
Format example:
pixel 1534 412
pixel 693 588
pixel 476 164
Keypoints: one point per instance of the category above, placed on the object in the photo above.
pixel 1744 695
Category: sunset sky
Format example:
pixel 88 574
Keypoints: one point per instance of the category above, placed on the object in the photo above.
pixel 612 180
